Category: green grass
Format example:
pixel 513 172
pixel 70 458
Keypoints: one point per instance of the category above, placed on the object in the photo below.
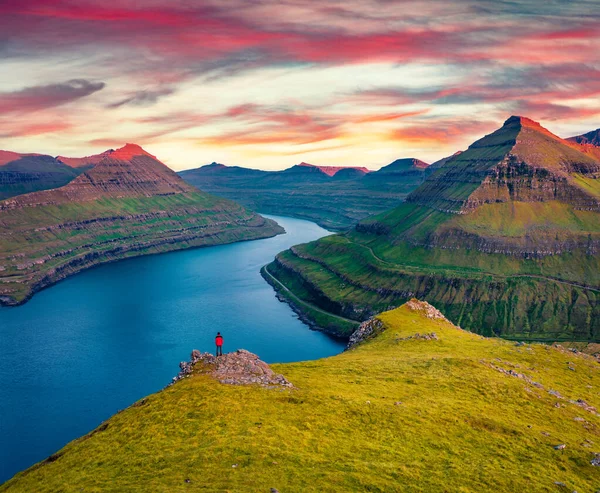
pixel 287 286
pixel 459 426
pixel 516 269
pixel 42 244
pixel 335 204
pixel 516 219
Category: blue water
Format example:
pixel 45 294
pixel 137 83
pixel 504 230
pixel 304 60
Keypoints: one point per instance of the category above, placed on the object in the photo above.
pixel 93 344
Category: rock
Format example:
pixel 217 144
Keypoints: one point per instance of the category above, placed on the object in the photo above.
pixel 274 490
pixel 429 310
pixel 374 326
pixel 240 367
pixel 365 330
pixel 585 405
pixel 562 446
pixel 187 481
pixel 596 460
pixel 422 337
pixel 234 465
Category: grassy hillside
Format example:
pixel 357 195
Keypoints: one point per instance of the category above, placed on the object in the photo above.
pixel 335 202
pixel 128 204
pixel 399 412
pixel 25 173
pixel 504 238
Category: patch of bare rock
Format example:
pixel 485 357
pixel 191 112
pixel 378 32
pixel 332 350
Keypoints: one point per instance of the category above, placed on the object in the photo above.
pixel 374 326
pixel 240 367
pixel 428 310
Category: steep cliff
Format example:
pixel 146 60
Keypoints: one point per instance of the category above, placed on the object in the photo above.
pixel 503 238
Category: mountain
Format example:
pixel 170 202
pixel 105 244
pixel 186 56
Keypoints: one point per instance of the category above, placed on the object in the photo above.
pixel 416 405
pixel 127 204
pixel 403 166
pixel 438 164
pixel 592 138
pixel 503 238
pixel 84 162
pixel 333 170
pixel 24 173
pixel 588 143
pixel 335 197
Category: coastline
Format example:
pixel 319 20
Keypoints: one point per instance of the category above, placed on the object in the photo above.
pixel 97 259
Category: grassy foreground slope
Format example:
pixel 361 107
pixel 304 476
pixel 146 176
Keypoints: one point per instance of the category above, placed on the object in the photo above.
pixel 127 204
pixel 396 413
pixel 503 238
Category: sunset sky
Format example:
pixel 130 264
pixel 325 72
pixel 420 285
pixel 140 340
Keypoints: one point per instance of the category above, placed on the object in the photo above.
pixel 267 84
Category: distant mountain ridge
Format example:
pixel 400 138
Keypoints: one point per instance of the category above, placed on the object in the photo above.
pixel 332 170
pixel 24 173
pixel 592 138
pixel 336 197
pixel 401 165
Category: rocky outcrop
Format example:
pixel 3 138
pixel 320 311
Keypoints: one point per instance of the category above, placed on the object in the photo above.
pixel 366 330
pixel 374 326
pixel 240 367
pixel 426 309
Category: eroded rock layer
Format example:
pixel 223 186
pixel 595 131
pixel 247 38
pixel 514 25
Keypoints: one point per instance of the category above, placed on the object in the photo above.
pixel 503 238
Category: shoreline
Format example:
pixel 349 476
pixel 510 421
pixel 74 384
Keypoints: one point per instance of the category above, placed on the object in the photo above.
pixel 49 280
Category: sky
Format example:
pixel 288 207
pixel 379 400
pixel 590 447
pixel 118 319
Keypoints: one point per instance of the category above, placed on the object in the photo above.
pixel 268 84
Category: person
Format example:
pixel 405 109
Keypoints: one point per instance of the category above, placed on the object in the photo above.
pixel 219 343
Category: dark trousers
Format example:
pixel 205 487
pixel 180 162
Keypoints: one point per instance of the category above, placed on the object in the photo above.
pixel 219 350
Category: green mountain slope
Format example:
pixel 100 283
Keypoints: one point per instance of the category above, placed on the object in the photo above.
pixel 24 173
pixel 127 204
pixel 335 198
pixel 504 238
pixel 403 411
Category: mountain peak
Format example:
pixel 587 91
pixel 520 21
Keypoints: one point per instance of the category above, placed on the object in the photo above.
pixel 332 170
pixel 528 123
pixel 129 151
pixel 404 165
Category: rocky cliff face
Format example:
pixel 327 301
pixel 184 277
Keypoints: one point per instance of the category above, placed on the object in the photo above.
pixel 520 161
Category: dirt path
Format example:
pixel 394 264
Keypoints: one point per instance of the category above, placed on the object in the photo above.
pixel 302 302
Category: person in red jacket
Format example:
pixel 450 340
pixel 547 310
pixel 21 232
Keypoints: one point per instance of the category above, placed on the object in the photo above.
pixel 219 343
